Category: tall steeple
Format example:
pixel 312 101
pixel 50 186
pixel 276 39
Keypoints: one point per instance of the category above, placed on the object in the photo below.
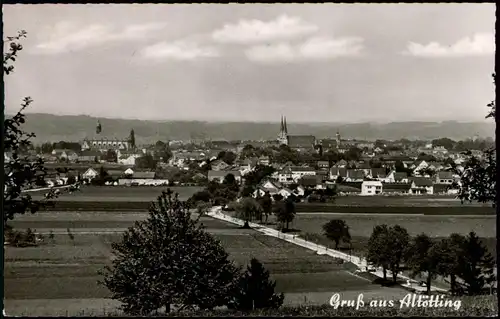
pixel 286 129
pixel 282 127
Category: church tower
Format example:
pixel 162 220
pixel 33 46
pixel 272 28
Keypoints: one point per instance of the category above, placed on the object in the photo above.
pixel 283 134
pixel 338 138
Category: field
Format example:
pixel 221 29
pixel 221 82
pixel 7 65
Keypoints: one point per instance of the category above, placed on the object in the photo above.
pixel 121 193
pixel 64 273
pixel 120 198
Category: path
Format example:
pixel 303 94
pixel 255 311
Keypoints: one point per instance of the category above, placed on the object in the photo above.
pixel 361 263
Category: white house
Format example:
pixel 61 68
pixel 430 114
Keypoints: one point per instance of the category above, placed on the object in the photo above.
pixel 370 188
pixel 395 177
pixel 421 186
pixel 300 191
pixel 90 174
pixel 128 171
pixel 285 192
pixel 128 159
pixel 444 178
pixel 299 171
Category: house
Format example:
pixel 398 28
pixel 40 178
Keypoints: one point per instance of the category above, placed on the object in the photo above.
pixel 143 175
pixel 128 159
pixel 299 171
pixel 355 175
pixel 271 186
pixel 421 185
pixel 341 163
pixel 299 191
pixel 90 173
pixel 219 165
pixel 115 173
pixel 396 188
pixel 323 174
pixel 323 164
pixel 312 181
pixel 370 188
pixel 396 177
pixel 336 172
pixel 219 176
pixel 128 171
pixel 285 192
pixel 264 160
pixel 89 156
pixel 420 166
pixel 378 173
pixel 435 166
pixel 444 178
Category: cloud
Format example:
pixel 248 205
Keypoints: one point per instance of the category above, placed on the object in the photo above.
pixel 316 48
pixel 66 36
pixel 479 45
pixel 252 31
pixel 179 50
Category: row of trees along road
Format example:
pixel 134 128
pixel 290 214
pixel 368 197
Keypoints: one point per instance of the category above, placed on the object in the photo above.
pixel 463 259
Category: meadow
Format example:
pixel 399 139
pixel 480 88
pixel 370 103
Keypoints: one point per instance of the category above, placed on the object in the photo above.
pixel 64 273
pixel 122 198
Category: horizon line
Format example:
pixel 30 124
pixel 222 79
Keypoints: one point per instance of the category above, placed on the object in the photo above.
pixel 251 121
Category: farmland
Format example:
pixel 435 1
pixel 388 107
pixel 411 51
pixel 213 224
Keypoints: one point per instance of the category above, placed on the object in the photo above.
pixel 69 267
pixel 117 198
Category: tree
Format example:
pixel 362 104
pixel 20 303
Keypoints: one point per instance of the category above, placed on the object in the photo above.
pixel 476 265
pixel 286 212
pixel 256 176
pixel 162 152
pixel 146 162
pixel 256 290
pixel 266 203
pixel 227 157
pixel 337 230
pixel 377 248
pixel 478 180
pixel 387 247
pixel 169 259
pixel 445 142
pixel 248 209
pixel 397 245
pixel 111 156
pixel 424 257
pixel 20 172
pixel 451 254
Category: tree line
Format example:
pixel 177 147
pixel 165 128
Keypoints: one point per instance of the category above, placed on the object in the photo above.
pixel 463 259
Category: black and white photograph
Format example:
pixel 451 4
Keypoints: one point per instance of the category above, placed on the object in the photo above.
pixel 249 160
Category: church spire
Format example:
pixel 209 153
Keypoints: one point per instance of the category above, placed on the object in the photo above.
pixel 98 128
pixel 282 127
pixel 286 129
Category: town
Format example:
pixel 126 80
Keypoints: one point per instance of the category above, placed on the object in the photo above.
pixel 354 167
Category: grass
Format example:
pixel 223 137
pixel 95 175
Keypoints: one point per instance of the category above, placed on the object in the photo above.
pixel 70 267
pixel 122 193
pixel 434 226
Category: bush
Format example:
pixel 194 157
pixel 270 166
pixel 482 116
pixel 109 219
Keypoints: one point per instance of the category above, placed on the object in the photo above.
pixel 256 290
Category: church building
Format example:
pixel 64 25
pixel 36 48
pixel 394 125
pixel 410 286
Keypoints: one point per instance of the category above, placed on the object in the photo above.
pixel 305 142
pixel 103 144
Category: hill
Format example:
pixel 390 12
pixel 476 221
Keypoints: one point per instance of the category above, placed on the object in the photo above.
pixel 48 127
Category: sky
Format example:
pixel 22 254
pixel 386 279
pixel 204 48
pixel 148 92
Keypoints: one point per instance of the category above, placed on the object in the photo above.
pixel 255 62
